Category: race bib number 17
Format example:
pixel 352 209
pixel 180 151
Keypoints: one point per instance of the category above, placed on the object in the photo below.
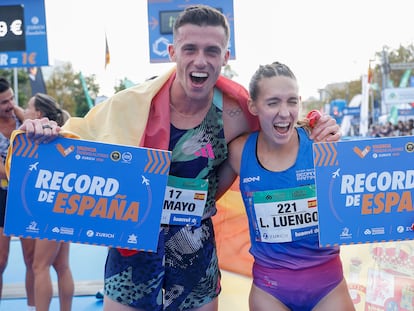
pixel 184 201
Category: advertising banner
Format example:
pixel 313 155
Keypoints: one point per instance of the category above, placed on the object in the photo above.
pixel 23 35
pixel 364 190
pixel 86 192
pixel 402 95
pixel 161 19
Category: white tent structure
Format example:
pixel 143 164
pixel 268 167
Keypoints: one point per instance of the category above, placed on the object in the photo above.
pixel 346 128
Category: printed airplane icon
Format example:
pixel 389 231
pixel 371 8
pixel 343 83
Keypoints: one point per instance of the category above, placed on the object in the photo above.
pixel 33 166
pixel 145 180
pixel 336 173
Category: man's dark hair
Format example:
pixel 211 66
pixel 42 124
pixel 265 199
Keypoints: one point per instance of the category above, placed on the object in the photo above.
pixel 4 85
pixel 202 15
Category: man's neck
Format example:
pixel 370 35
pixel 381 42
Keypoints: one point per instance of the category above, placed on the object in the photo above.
pixel 186 105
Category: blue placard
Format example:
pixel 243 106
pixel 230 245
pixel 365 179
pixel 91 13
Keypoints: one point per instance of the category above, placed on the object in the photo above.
pixel 406 112
pixel 365 190
pixel 86 192
pixel 351 111
pixel 23 37
pixel 161 18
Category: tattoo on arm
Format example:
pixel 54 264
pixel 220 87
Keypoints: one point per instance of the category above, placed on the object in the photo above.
pixel 233 112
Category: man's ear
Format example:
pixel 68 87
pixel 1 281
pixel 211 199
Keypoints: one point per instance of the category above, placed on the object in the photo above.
pixel 171 52
pixel 226 58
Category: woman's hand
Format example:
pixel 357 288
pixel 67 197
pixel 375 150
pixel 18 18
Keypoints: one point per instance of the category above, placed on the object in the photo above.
pixel 325 129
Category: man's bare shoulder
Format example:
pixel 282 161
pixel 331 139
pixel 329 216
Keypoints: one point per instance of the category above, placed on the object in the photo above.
pixel 235 121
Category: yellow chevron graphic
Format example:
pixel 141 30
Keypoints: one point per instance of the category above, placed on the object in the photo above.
pixel 166 168
pixel 24 147
pixel 158 162
pixel 325 154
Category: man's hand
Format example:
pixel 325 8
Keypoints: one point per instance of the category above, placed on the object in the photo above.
pixel 40 130
pixel 324 127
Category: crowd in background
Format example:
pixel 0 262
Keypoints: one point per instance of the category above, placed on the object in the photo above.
pixel 402 128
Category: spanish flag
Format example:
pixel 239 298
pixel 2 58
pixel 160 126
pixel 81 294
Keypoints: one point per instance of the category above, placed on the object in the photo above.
pixel 199 196
pixel 107 55
pixel 370 73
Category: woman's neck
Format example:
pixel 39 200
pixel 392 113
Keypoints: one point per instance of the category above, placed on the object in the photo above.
pixel 277 157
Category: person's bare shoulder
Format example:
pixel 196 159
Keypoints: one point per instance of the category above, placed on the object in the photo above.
pixel 236 150
pixel 235 122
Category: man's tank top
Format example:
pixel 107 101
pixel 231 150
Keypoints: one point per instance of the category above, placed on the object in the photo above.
pixel 254 177
pixel 4 145
pixel 198 152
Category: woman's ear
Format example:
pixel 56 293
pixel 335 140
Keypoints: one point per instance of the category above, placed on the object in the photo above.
pixel 39 114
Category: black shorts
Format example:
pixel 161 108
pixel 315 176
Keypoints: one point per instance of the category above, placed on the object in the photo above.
pixel 3 197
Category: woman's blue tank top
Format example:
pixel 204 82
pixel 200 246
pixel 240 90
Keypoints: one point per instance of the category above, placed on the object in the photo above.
pixel 253 177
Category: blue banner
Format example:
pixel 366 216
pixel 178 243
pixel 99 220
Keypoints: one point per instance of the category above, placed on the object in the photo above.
pixel 86 192
pixel 23 37
pixel 365 190
pixel 161 18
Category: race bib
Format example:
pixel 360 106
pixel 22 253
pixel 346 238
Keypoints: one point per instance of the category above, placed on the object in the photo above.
pixel 184 201
pixel 285 215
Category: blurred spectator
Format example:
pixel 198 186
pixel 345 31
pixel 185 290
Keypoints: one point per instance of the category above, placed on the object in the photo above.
pixel 49 253
pixel 402 128
pixel 386 130
pixel 11 117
